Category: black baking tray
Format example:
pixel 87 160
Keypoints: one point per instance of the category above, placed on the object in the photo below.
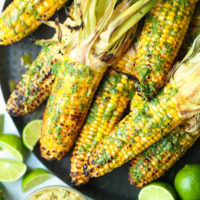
pixel 113 186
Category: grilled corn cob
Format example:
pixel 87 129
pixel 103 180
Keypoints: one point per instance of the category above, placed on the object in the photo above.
pixel 161 38
pixel 150 121
pixel 35 85
pixel 99 46
pixel 22 17
pixel 157 159
pixel 67 106
pixel 106 110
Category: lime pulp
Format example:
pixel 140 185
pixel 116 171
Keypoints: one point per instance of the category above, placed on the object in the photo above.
pixel 11 170
pixel 157 191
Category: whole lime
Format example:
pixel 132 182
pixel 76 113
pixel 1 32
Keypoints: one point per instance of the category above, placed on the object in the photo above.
pixel 187 182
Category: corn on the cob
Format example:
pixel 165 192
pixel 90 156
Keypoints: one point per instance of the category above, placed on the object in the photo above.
pixel 35 85
pixel 22 17
pixel 161 38
pixel 150 121
pixel 106 110
pixel 67 106
pixel 89 58
pixel 157 159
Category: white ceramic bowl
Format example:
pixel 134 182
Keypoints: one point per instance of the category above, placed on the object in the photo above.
pixel 49 188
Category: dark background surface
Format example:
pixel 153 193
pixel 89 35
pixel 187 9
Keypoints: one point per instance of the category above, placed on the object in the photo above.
pixel 113 186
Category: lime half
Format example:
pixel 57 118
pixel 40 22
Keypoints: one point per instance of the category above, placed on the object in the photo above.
pixel 34 178
pixel 31 133
pixel 11 170
pixel 13 145
pixel 157 191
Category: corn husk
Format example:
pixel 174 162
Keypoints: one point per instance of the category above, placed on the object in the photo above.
pixel 186 76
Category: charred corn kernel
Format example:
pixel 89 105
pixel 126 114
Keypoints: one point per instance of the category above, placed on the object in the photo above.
pixel 149 121
pixel 192 33
pixel 105 112
pixel 157 159
pixel 36 84
pixel 71 96
pixel 159 43
pixel 22 17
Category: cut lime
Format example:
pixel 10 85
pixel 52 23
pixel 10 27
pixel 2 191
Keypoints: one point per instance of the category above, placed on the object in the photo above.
pixel 31 133
pixel 34 178
pixel 11 170
pixel 13 145
pixel 157 191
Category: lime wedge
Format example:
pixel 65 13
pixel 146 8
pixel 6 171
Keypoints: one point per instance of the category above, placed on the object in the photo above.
pixel 1 122
pixel 13 145
pixel 31 133
pixel 11 170
pixel 157 191
pixel 34 178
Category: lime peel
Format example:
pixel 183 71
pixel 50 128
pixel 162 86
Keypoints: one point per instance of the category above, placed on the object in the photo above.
pixel 187 182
